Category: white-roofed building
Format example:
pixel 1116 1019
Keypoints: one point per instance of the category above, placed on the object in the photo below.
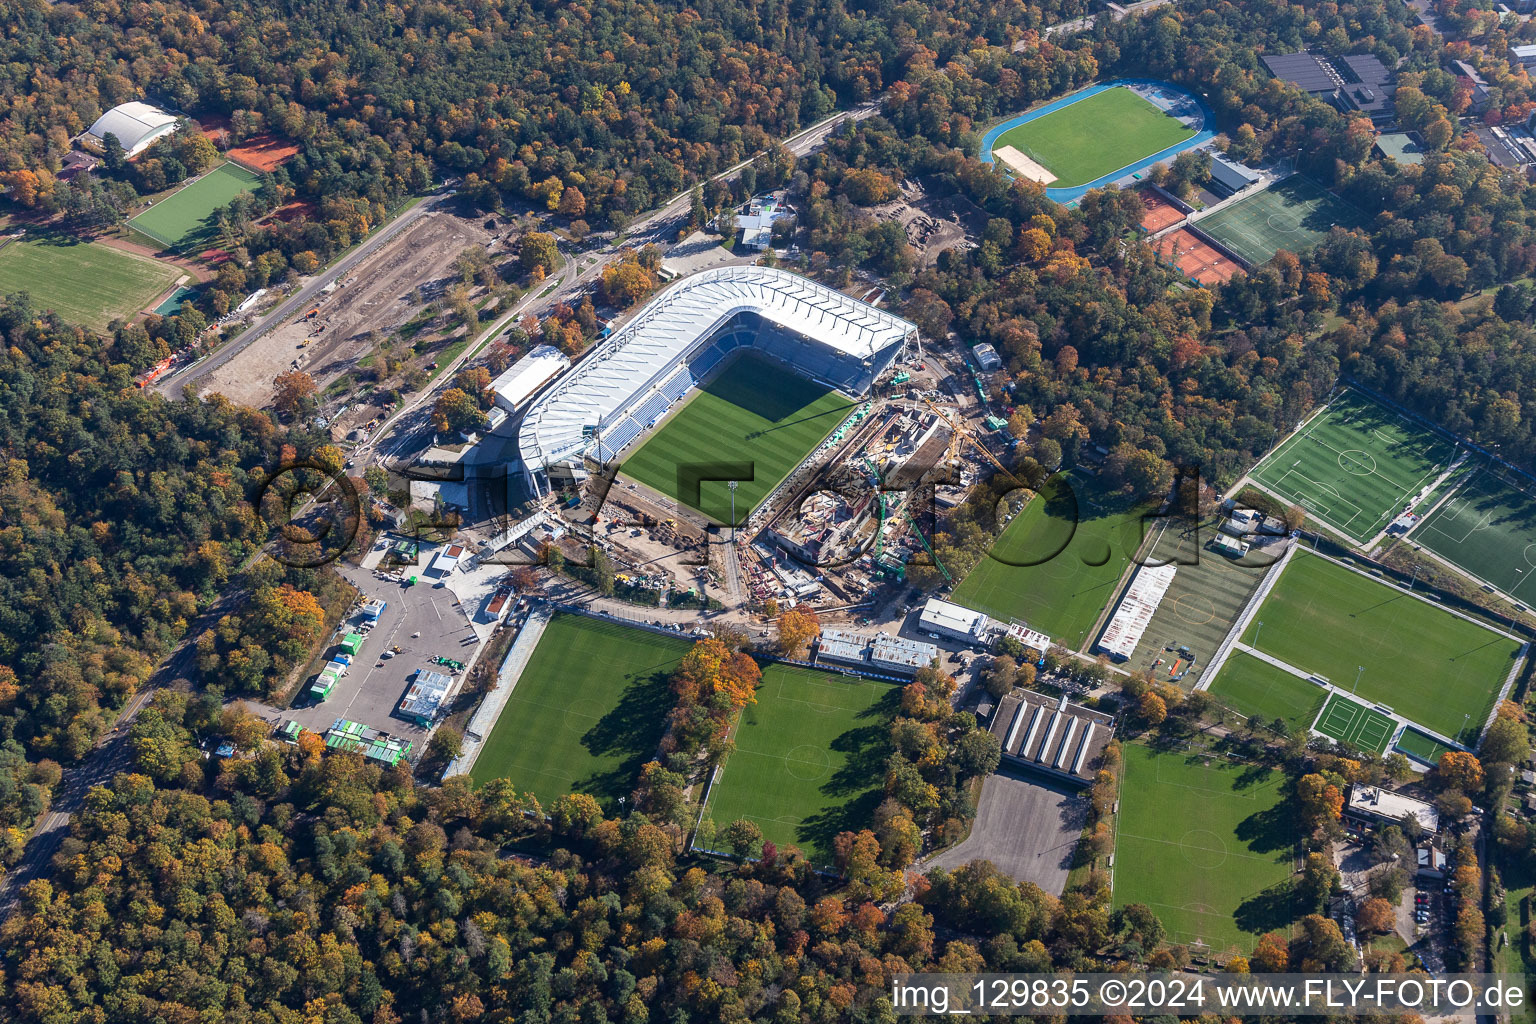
pixel 953 621
pixel 1388 808
pixel 136 125
pixel 519 381
pixel 1135 610
pixel 608 398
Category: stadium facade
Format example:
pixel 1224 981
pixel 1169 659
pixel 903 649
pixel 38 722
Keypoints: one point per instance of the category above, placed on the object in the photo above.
pixel 625 384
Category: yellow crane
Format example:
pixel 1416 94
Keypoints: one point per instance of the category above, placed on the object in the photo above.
pixel 959 430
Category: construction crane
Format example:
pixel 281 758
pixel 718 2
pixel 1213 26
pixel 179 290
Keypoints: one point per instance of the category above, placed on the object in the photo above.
pixel 926 546
pixel 874 480
pixel 954 425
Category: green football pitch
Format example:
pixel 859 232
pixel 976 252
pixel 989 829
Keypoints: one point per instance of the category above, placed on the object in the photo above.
pixel 1426 664
pixel 1293 215
pixel 1056 565
pixel 754 423
pixel 1351 722
pixel 184 219
pixel 1206 844
pixel 1488 528
pixel 1425 748
pixel 1255 688
pixel 1101 133
pixel 588 711
pixel 809 759
pixel 1354 465
pixel 84 283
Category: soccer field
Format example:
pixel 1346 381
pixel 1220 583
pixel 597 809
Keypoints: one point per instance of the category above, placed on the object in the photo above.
pixel 1293 215
pixel 1206 844
pixel 588 711
pixel 1255 688
pixel 1055 566
pixel 1351 722
pixel 809 759
pixel 1425 748
pixel 1095 135
pixel 1426 664
pixel 184 219
pixel 1488 528
pixel 1355 465
pixel 84 283
pixel 755 423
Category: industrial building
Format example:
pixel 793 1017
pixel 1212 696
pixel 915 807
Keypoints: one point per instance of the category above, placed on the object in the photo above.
pixel 136 126
pixel 371 743
pixel 951 621
pixel 520 381
pixel 1356 82
pixel 1051 735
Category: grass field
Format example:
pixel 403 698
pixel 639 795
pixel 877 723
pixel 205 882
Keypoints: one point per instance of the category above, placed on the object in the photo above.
pixel 1056 564
pixel 1425 748
pixel 809 759
pixel 184 219
pixel 1351 722
pixel 755 423
pixel 1293 215
pixel 1354 465
pixel 1101 133
pixel 1207 595
pixel 1428 665
pixel 84 283
pixel 1255 688
pixel 588 711
pixel 1207 844
pixel 1488 528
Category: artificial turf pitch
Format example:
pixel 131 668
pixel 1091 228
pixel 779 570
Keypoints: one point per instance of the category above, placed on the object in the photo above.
pixel 754 423
pixel 810 758
pixel 1351 722
pixel 1293 215
pixel 1096 135
pixel 1428 665
pixel 1206 844
pixel 1425 748
pixel 1055 566
pixel 1488 528
pixel 588 711
pixel 184 219
pixel 1255 688
pixel 84 283
pixel 1354 465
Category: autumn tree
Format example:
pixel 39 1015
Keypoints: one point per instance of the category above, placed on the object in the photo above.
pixel 797 627
pixel 294 393
pixel 1458 770
pixel 457 412
pixel 538 251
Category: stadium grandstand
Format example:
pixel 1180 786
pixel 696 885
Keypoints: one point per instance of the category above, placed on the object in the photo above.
pixel 624 385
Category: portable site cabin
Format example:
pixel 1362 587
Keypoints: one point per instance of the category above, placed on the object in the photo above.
pixel 324 684
pixel 351 643
pixel 373 609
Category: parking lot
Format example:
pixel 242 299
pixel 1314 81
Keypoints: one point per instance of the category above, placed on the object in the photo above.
pixel 422 621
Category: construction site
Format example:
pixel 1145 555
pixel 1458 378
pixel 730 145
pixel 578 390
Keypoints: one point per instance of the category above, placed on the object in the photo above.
pixel 386 294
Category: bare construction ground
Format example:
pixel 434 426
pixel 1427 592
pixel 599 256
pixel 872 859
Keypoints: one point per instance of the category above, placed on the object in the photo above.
pixel 933 223
pixel 376 296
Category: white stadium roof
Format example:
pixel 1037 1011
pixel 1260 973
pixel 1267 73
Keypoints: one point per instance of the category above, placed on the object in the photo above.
pixel 672 324
pixel 135 124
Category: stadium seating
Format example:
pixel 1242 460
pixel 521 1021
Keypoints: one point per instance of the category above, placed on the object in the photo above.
pixel 654 405
pixel 678 384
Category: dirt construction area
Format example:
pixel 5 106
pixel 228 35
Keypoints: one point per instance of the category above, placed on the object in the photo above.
pixel 933 223
pixel 375 296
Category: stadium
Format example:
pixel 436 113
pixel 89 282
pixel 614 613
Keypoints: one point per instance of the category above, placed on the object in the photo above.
pixel 673 345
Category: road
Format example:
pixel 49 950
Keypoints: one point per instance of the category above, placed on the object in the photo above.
pixel 186 380
pixel 405 428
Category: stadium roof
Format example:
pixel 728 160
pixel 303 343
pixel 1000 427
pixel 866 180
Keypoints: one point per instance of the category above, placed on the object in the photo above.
pixel 671 324
pixel 135 124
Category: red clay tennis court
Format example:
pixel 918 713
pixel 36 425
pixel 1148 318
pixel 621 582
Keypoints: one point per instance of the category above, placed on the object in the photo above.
pixel 1196 257
pixel 1160 212
pixel 263 152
